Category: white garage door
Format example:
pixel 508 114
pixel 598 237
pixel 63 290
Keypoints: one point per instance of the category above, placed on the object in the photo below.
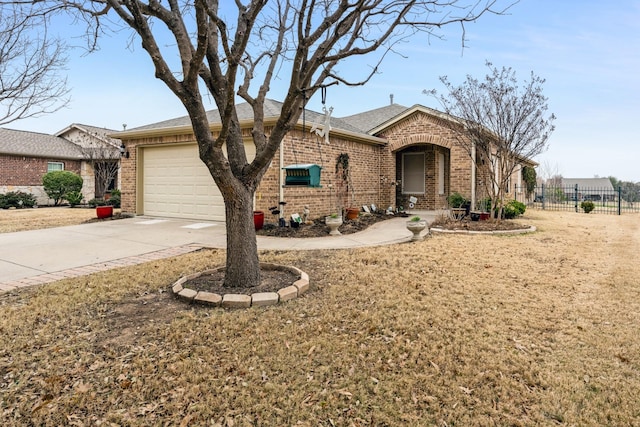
pixel 176 184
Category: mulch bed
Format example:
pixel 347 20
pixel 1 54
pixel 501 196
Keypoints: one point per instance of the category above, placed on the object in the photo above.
pixel 467 225
pixel 270 281
pixel 318 228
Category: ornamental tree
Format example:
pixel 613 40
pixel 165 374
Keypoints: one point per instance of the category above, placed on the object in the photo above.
pixel 225 51
pixel 499 123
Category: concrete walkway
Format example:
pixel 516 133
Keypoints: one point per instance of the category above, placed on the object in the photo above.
pixel 43 256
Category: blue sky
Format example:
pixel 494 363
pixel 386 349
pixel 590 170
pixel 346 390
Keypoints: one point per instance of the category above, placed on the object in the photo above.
pixel 588 52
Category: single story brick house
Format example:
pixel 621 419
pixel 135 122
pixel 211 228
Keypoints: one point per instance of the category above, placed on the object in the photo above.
pixel 594 189
pixel 26 156
pixel 395 154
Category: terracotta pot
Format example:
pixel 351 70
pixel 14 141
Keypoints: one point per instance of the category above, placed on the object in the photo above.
pixel 352 213
pixel 104 211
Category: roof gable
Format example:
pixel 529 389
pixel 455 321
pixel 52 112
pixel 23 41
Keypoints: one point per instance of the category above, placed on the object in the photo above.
pixel 93 133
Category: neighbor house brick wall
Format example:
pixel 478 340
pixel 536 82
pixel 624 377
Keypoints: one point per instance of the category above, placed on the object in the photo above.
pixel 21 173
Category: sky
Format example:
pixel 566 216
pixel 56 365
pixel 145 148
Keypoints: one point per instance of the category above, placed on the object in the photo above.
pixel 588 51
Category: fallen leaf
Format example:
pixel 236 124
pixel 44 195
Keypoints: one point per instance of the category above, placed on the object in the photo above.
pixel 345 393
pixel 466 390
pixel 185 421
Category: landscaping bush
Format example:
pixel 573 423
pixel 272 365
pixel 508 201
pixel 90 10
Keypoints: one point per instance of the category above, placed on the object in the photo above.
pixel 59 184
pixel 587 206
pixel 97 202
pixel 17 199
pixel 74 198
pixel 456 200
pixel 115 198
pixel 513 209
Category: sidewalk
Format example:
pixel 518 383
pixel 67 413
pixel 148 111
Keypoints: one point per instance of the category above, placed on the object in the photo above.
pixel 42 256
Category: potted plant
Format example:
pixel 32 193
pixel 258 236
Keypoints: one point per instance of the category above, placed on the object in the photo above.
pixel 416 225
pixel 333 221
pixel 459 205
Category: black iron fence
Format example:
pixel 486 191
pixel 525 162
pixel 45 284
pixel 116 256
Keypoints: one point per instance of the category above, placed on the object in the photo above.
pixel 558 198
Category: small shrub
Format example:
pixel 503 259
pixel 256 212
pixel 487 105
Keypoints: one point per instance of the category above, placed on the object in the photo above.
pixel 513 209
pixel 96 202
pixel 115 199
pixel 587 206
pixel 58 184
pixel 17 199
pixel 456 200
pixel 74 198
pixel 415 219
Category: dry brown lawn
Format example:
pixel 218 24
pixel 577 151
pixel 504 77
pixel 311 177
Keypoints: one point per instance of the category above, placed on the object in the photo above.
pixel 33 219
pixel 538 329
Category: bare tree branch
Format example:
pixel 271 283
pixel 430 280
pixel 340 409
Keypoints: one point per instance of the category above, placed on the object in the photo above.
pixel 30 62
pixel 228 49
pixel 499 124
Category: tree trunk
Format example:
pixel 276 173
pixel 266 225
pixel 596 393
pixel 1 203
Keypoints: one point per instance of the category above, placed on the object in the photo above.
pixel 243 266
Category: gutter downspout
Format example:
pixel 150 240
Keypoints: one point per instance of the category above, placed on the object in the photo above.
pixel 281 182
pixel 473 175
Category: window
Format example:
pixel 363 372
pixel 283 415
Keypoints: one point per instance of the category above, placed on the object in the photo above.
pixel 413 175
pixel 55 166
pixel 440 173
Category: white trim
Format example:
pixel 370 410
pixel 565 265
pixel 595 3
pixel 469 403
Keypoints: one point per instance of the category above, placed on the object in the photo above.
pixel 55 163
pixel 441 160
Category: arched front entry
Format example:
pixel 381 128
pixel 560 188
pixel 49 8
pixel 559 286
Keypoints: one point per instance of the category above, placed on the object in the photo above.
pixel 423 175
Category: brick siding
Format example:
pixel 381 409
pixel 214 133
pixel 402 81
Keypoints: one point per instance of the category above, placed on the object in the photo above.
pixel 374 169
pixel 19 173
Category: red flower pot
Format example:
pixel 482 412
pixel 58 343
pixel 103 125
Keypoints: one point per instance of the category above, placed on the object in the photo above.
pixel 104 211
pixel 258 219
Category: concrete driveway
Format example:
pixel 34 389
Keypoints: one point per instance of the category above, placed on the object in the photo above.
pixel 42 256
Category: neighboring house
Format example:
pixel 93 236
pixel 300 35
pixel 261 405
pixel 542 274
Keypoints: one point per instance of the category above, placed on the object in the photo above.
pixel 101 155
pixel 395 153
pixel 26 156
pixel 594 189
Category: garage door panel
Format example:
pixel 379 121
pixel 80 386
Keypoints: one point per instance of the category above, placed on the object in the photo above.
pixel 177 184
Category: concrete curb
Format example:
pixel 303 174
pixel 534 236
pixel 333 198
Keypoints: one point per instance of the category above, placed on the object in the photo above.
pixel 259 299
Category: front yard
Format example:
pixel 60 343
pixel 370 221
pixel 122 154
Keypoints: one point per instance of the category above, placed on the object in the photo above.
pixel 537 329
pixel 12 220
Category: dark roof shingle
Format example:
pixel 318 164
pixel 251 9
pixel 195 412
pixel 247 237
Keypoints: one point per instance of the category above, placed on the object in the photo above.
pixel 32 144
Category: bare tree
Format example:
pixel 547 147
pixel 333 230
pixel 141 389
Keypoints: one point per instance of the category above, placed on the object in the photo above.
pixel 548 170
pixel 29 65
pixel 235 49
pixel 499 124
pixel 105 161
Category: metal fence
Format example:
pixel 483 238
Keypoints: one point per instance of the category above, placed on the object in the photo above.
pixel 558 198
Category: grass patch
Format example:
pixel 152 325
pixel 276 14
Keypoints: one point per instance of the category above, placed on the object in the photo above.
pixel 12 220
pixel 536 329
